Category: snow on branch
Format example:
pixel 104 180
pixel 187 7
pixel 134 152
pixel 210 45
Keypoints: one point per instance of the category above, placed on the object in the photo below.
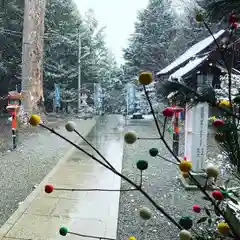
pixel 223 92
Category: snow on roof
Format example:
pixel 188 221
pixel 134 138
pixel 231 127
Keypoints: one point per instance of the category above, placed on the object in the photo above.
pixel 187 68
pixel 191 52
pixel 236 71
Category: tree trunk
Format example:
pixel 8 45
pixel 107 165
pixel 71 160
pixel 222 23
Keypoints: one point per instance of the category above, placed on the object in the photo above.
pixel 32 55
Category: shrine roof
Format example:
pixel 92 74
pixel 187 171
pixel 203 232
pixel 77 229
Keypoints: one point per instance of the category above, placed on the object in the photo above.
pixel 191 65
pixel 191 53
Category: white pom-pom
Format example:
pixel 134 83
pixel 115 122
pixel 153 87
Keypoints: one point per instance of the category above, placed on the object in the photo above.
pixel 70 126
pixel 185 235
pixel 212 171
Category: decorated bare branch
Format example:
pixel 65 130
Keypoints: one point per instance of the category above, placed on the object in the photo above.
pixel 184 165
pixel 217 198
pixel 142 165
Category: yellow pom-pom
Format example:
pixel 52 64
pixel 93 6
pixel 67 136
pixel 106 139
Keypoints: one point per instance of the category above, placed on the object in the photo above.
pixel 185 166
pixel 145 78
pixel 34 120
pixel 213 118
pixel 223 228
pixel 132 238
pixel 224 103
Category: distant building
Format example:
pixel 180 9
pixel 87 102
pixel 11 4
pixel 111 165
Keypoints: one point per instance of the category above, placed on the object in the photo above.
pixel 198 66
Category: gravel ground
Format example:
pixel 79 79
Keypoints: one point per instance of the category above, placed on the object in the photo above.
pixel 161 181
pixel 20 170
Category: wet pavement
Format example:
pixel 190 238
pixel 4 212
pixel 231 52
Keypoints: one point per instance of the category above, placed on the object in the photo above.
pixel 26 167
pixel 91 212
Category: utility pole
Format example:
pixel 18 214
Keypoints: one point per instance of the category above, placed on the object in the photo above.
pixel 32 54
pixel 79 70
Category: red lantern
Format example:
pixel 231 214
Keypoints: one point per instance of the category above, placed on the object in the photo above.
pixel 13 102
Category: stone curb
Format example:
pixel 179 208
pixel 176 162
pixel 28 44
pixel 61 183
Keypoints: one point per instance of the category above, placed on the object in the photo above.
pixel 30 198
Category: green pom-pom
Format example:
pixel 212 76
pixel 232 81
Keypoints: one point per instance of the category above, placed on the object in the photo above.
pixel 153 152
pixel 63 231
pixel 186 222
pixel 142 165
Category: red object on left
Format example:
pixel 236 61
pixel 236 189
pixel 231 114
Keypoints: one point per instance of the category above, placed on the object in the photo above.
pixel 49 188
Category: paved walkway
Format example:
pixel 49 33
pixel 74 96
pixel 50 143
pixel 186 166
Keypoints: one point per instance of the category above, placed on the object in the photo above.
pixel 30 163
pixel 90 213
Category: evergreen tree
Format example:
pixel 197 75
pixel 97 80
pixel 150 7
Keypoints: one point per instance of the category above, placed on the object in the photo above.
pixel 63 24
pixel 154 30
pixel 11 15
pixel 160 36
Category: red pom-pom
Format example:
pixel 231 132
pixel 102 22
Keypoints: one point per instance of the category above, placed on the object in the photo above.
pixel 49 188
pixel 218 123
pixel 217 195
pixel 196 208
pixel 168 112
pixel 232 18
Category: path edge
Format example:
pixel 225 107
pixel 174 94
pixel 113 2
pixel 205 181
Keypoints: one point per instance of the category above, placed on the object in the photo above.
pixel 31 197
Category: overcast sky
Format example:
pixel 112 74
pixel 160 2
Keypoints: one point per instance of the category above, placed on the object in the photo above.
pixel 118 16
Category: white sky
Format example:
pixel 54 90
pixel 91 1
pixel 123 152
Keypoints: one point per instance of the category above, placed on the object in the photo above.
pixel 118 16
